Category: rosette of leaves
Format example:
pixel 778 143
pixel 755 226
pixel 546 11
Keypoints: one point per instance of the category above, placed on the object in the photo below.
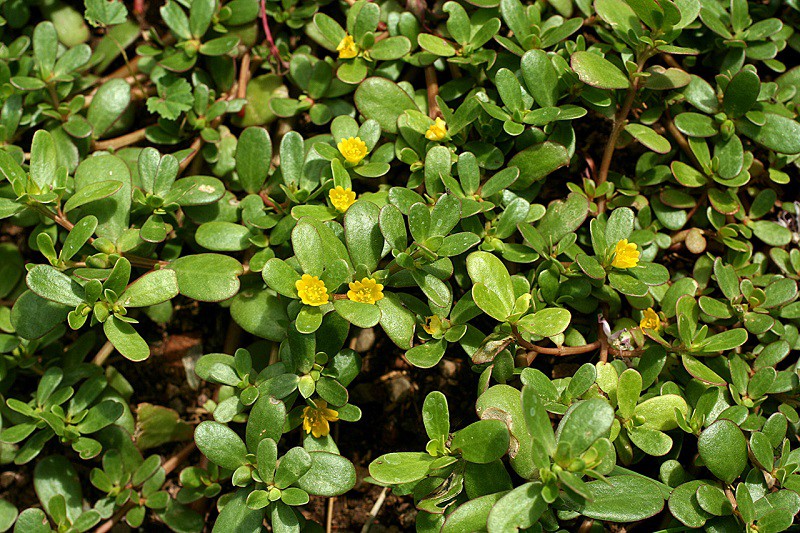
pixel 467 37
pixel 641 420
pixel 58 488
pixel 185 110
pixel 542 88
pixel 468 459
pixel 131 484
pixel 270 485
pixel 53 76
pixel 320 91
pixel 373 165
pixel 756 40
pixel 200 33
pixel 160 195
pixel 58 410
pixel 371 46
pixel 533 30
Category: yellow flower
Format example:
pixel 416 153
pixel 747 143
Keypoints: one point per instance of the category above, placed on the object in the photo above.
pixel 312 290
pixel 353 149
pixel 437 131
pixel 625 255
pixel 366 291
pixel 316 419
pixel 342 198
pixel 347 48
pixel 650 320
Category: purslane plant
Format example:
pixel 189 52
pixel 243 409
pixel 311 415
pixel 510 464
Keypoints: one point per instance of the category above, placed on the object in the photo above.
pixel 592 204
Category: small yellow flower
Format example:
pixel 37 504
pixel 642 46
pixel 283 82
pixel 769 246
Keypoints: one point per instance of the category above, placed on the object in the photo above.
pixel 342 198
pixel 437 131
pixel 650 320
pixel 625 255
pixel 432 325
pixel 316 419
pixel 312 290
pixel 353 149
pixel 347 48
pixel 366 291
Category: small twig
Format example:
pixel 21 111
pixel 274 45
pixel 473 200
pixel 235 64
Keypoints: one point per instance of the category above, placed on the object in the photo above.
pixel 563 351
pixel 272 48
pixel 620 121
pixel 373 513
pixel 329 518
pixel 433 92
pixel 122 141
pixel 195 147
pixel 676 134
pixel 103 354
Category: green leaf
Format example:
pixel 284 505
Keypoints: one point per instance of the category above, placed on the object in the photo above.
pixel 723 448
pixel 91 193
pixel 518 509
pixel 435 45
pixel 727 340
pixel 563 217
pixel 261 313
pixel 329 475
pixel 125 339
pixel 55 476
pixel 105 12
pixel 547 322
pixel 220 444
pixel 33 316
pixel 400 467
pixel 253 158
pixel 112 212
pixel 436 416
pixel 174 97
pixel 684 505
pixel 659 411
pixel 207 277
pixel 492 289
pixel 741 93
pixel 584 423
pixel 538 161
pixel 712 500
pixel 382 100
pixel 151 289
pixel 594 70
pixel 221 236
pixel 363 235
pixel 482 442
pixel 53 285
pixel 108 104
pixel 44 159
pixel 8 515
pixel 777 133
pixel 237 517
pixel 648 137
pixel 623 498
pixel 426 355
pixel 359 314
